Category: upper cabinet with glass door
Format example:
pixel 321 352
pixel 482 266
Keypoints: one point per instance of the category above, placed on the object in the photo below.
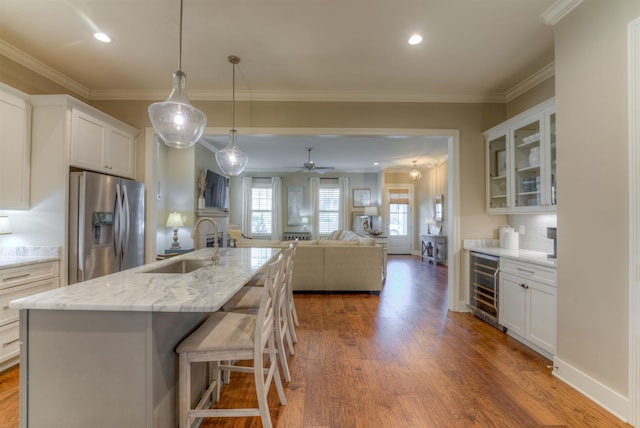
pixel 497 164
pixel 531 162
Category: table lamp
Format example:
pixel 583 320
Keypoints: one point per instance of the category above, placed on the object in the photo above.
pixel 371 212
pixel 175 221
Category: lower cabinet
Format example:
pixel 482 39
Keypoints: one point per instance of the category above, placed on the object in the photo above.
pixel 18 282
pixel 527 304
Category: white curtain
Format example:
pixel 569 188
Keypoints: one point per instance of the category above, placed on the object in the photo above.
pixel 314 194
pixel 276 207
pixel 247 183
pixel 343 182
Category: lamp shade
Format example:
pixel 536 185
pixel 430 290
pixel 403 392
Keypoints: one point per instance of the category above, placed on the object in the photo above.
pixel 177 122
pixel 5 226
pixel 371 211
pixel 175 220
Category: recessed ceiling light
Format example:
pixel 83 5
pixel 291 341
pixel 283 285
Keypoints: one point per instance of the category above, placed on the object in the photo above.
pixel 415 39
pixel 376 163
pixel 102 37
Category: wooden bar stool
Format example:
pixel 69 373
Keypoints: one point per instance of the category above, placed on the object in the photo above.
pixel 231 336
pixel 247 301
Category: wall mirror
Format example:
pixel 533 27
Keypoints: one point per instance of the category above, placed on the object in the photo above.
pixel 438 208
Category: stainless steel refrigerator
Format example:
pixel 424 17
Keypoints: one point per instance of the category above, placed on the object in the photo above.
pixel 106 225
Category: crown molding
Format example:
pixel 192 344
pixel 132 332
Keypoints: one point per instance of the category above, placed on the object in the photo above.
pixel 531 82
pixel 558 10
pixel 36 66
pixel 309 96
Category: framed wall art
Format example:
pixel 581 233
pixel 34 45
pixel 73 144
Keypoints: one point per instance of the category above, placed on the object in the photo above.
pixel 361 197
pixel 294 205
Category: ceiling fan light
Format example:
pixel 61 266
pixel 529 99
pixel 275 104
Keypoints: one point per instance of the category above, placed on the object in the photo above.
pixel 177 122
pixel 232 160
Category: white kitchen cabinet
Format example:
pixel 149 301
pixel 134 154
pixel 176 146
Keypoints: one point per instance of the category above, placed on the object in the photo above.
pixel 521 162
pixel 527 304
pixel 99 146
pixel 15 148
pixel 15 283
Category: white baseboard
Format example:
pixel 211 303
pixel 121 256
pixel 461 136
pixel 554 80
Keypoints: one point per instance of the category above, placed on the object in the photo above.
pixel 462 306
pixel 596 391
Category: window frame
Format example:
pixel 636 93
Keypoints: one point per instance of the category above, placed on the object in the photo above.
pixel 334 186
pixel 267 207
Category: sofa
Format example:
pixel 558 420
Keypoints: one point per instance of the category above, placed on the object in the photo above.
pixel 332 265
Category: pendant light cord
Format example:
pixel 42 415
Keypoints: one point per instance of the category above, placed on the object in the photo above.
pixel 233 99
pixel 180 51
pixel 233 60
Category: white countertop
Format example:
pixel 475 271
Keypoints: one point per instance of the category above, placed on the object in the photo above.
pixel 11 257
pixel 203 290
pixel 529 256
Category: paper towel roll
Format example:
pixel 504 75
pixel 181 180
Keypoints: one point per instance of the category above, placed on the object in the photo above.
pixel 511 240
pixel 504 228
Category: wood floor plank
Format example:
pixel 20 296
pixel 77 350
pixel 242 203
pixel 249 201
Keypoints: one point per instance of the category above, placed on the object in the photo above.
pixel 399 359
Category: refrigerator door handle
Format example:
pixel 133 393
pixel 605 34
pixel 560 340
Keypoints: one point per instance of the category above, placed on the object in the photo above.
pixel 117 228
pixel 82 188
pixel 127 222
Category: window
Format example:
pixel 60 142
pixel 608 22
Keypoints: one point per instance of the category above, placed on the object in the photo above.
pixel 261 208
pixel 329 206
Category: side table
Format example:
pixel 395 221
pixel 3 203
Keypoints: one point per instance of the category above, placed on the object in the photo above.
pixel 434 249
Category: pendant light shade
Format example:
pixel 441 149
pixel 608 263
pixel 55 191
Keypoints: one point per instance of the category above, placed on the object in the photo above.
pixel 232 160
pixel 177 122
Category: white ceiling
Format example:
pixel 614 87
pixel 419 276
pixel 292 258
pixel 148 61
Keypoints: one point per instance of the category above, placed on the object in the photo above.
pixel 349 50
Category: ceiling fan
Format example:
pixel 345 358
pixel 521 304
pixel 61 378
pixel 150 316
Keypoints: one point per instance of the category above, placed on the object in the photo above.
pixel 310 166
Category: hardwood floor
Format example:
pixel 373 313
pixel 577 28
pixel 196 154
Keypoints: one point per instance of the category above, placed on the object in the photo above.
pixel 400 359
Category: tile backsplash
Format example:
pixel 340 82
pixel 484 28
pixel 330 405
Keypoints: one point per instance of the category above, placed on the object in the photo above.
pixel 535 230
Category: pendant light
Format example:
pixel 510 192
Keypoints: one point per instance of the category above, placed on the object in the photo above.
pixel 232 160
pixel 177 122
pixel 415 174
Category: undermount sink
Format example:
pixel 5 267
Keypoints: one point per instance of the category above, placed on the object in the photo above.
pixel 180 266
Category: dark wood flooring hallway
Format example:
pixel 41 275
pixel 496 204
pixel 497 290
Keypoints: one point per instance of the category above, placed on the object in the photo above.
pixel 400 359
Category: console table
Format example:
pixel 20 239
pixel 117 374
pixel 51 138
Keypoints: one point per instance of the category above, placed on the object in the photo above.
pixel 434 249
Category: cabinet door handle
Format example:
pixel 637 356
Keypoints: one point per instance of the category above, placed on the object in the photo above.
pixel 524 286
pixel 4 345
pixel 526 270
pixel 5 307
pixel 15 277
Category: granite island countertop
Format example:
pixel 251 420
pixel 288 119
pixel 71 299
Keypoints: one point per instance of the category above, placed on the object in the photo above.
pixel 492 248
pixel 201 290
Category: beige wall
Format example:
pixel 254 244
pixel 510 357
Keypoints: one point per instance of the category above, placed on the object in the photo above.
pixel 591 97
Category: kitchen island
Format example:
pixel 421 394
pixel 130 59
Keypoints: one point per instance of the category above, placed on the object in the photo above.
pixel 100 353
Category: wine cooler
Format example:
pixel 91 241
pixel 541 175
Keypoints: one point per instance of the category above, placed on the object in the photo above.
pixel 484 272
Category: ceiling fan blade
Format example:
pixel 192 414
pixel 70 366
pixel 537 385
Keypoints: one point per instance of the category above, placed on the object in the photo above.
pixel 326 168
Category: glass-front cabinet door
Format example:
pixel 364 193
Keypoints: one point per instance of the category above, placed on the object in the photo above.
pixel 553 178
pixel 497 167
pixel 521 162
pixel 527 164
